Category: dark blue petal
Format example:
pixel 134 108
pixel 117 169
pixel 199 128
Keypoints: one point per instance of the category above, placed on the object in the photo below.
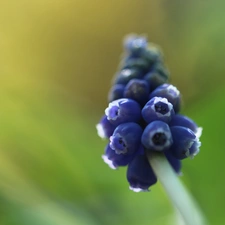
pixel 139 174
pixel 158 109
pixel 160 68
pixel 157 136
pixel 154 80
pixel 175 163
pixel 125 75
pixel 114 160
pixel 105 128
pixel 153 55
pixel 116 92
pixel 140 64
pixel 184 121
pixel 170 92
pixel 157 76
pixel 123 110
pixel 137 90
pixel 126 138
pixel 185 142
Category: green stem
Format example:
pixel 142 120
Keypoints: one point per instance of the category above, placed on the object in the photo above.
pixel 176 191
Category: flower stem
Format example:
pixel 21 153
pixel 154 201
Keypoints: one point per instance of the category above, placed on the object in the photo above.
pixel 176 191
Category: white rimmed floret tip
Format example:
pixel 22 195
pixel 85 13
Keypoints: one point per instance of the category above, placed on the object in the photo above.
pixel 100 131
pixel 108 109
pixel 108 162
pixel 174 89
pixel 159 99
pixel 198 133
pixel 111 143
pixel 165 101
pixel 138 189
pixel 198 145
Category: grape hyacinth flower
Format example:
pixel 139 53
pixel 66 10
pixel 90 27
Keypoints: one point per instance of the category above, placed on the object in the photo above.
pixel 126 138
pixel 157 136
pixel 184 121
pixel 158 109
pixel 170 92
pixel 157 76
pixel 140 174
pixel 123 110
pixel 185 142
pixel 115 160
pixel 143 127
pixel 137 90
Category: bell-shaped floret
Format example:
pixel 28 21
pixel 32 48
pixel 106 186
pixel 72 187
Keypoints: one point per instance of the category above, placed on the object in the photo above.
pixel 184 121
pixel 114 160
pixel 185 143
pixel 123 110
pixel 170 92
pixel 137 90
pixel 157 136
pixel 140 174
pixel 126 138
pixel 158 109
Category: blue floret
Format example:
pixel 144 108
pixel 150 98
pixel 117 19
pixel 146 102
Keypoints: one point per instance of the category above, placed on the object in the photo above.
pixel 125 75
pixel 126 138
pixel 184 121
pixel 157 136
pixel 170 92
pixel 123 110
pixel 140 174
pixel 185 142
pixel 158 109
pixel 115 160
pixel 137 90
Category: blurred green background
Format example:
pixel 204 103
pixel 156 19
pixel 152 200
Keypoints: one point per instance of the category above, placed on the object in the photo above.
pixel 56 62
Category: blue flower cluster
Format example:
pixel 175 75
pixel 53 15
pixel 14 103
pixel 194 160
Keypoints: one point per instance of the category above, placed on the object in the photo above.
pixel 143 115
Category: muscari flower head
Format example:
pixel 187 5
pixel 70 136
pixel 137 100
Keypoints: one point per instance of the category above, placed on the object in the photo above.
pixel 142 116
